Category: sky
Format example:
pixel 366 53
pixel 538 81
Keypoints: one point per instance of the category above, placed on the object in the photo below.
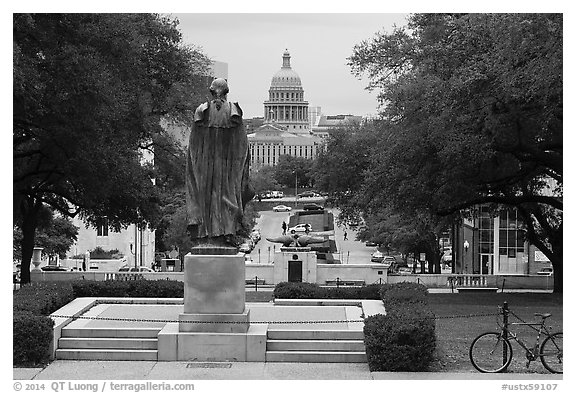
pixel 319 44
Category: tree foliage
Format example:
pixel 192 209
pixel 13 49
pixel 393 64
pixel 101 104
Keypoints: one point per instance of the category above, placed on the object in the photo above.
pixel 292 168
pixel 263 179
pixel 473 111
pixel 89 92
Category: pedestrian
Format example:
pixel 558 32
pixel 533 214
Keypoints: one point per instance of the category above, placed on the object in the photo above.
pixel 307 228
pixel 345 235
pixel 284 226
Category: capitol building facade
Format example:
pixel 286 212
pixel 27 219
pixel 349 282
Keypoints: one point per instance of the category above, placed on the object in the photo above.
pixel 286 129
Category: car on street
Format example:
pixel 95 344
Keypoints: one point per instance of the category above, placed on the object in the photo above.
pixel 312 206
pixel 389 260
pixel 281 208
pixel 245 247
pixel 53 268
pixel 300 228
pixel 545 271
pixel 307 194
pixel 139 269
pixel 370 243
pixel 255 235
pixel 377 257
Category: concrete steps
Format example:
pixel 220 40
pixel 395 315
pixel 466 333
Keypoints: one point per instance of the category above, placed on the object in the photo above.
pixel 315 346
pixel 108 344
pixel 103 343
pixel 106 354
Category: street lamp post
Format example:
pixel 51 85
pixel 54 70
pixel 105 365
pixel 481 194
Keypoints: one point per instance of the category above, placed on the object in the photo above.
pixel 296 189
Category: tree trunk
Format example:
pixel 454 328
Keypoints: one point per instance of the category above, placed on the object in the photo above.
pixel 29 223
pixel 557 264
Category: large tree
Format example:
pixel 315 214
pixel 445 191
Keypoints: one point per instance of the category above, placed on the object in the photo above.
pixel 55 234
pixel 344 169
pixel 291 170
pixel 89 92
pixel 473 104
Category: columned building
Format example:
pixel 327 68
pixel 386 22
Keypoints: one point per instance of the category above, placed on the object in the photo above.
pixel 286 105
pixel 286 129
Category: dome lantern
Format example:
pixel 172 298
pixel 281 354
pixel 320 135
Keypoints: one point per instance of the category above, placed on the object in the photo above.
pixel 286 59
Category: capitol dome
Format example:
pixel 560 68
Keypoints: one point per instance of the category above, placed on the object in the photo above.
pixel 286 76
pixel 286 106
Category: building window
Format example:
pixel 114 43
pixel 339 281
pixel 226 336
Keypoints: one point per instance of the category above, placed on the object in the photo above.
pixel 102 227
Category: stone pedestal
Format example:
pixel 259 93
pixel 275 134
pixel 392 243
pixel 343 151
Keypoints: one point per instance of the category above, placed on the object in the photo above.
pixel 214 284
pixel 215 324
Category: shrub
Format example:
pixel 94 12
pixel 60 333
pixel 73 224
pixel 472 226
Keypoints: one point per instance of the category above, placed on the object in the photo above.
pixel 302 290
pixel 296 290
pixel 404 339
pixel 156 288
pixel 43 298
pixel 371 292
pixel 136 288
pixel 100 253
pixel 32 338
pixel 87 288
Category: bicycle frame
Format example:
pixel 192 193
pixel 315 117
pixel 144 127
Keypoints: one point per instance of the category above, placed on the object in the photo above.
pixel 532 353
pixel 488 346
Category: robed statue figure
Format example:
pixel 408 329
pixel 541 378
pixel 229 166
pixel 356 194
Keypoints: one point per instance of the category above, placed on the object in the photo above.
pixel 217 170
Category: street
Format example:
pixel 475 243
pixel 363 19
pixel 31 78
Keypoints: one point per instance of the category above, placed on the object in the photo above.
pixel 270 225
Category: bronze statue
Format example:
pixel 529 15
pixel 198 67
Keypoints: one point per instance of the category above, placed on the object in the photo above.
pixel 295 240
pixel 217 170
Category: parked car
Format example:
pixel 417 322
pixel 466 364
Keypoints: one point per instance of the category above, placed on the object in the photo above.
pixel 354 223
pixel 370 243
pixel 281 208
pixel 377 257
pixel 546 271
pixel 389 260
pixel 255 235
pixel 277 194
pixel 313 206
pixel 139 269
pixel 300 228
pixel 245 247
pixel 307 194
pixel 53 268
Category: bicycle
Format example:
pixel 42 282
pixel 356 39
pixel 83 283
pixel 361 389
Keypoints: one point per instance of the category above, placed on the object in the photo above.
pixel 491 352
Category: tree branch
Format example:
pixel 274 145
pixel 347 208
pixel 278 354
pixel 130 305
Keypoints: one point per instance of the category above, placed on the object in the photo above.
pixel 512 201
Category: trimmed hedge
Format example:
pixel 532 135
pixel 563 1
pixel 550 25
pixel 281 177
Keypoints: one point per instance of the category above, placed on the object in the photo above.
pixel 32 337
pixel 43 298
pixel 404 339
pixel 304 290
pixel 136 288
pixel 33 329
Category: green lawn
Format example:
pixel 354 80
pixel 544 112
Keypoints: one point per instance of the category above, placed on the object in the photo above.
pixel 456 326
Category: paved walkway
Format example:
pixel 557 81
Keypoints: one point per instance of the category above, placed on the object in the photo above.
pixel 142 370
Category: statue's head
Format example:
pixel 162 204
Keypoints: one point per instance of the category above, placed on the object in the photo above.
pixel 219 88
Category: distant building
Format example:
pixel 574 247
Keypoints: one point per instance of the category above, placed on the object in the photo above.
pixel 286 127
pixel 326 123
pixel 137 244
pixel 314 112
pixel 286 105
pixel 252 124
pixel 494 245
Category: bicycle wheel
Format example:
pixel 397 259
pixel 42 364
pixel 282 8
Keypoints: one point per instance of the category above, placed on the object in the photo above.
pixel 551 352
pixel 490 353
